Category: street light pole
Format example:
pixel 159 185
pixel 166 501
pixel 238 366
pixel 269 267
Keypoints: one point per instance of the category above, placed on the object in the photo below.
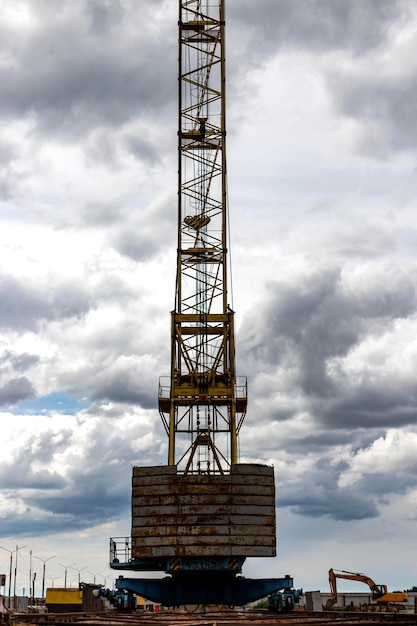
pixel 15 571
pixel 97 574
pixel 66 568
pixel 79 572
pixel 10 572
pixel 30 578
pixel 43 572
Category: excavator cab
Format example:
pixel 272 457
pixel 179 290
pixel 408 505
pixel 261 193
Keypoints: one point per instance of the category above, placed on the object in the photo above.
pixel 378 591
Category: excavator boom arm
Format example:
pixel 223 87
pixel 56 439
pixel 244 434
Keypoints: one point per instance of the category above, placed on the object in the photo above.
pixel 380 593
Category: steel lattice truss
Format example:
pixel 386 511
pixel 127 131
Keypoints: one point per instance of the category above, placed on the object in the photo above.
pixel 202 397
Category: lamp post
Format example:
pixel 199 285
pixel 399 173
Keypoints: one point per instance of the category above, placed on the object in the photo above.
pixel 43 572
pixel 30 576
pixel 15 571
pixel 10 572
pixel 32 595
pixel 104 577
pixel 66 568
pixel 94 575
pixel 79 572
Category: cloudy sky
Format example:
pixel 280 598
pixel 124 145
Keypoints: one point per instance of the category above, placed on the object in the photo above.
pixel 322 190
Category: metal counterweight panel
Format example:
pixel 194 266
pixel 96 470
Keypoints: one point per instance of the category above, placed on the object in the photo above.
pixel 202 515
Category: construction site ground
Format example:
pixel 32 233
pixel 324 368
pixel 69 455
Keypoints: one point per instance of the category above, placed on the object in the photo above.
pixel 198 616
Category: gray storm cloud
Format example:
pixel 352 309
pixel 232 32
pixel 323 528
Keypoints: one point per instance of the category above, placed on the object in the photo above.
pixel 321 152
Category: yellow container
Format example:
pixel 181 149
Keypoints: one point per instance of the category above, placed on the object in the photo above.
pixel 64 596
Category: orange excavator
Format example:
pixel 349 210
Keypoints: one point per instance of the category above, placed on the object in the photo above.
pixel 380 593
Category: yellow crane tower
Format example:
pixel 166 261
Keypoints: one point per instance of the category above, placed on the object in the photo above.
pixel 202 402
pixel 198 517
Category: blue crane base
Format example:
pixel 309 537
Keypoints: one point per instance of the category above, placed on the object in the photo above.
pixel 203 588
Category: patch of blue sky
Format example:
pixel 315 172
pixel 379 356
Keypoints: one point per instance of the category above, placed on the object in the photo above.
pixel 57 402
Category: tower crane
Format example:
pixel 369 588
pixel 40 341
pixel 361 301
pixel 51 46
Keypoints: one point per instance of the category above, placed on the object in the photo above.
pixel 200 516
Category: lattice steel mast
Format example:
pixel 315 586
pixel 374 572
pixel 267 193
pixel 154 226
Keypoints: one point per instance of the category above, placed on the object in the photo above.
pixel 203 402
